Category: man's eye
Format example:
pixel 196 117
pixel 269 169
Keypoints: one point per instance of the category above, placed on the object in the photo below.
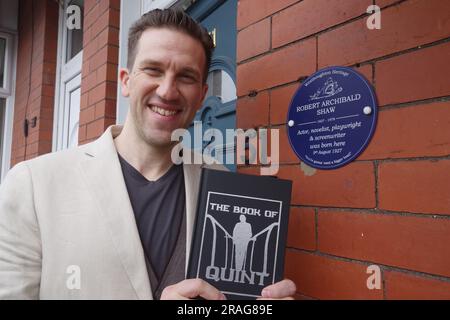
pixel 188 78
pixel 152 71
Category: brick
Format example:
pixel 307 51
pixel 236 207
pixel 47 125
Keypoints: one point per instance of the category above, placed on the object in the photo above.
pixel 287 155
pixel 302 229
pixel 89 5
pixel 32 148
pixel 87 115
pixel 272 70
pixel 309 17
pixel 99 58
pixel 111 90
pixel 102 56
pixel 44 147
pixel 108 36
pixel 35 89
pixel 90 49
pixel 108 18
pixel 250 11
pixel 96 94
pixel 416 131
pixel 402 286
pixel 33 137
pixel 105 90
pixel 107 72
pixel 280 99
pixel 253 112
pixel 81 134
pixel 366 71
pixel 385 3
pixel 108 122
pixel 352 186
pixel 90 81
pixel 415 186
pixel 103 5
pixel 95 129
pixel 326 278
pixel 415 243
pixel 46 135
pixel 84 99
pixel 414 76
pixel 105 108
pixel 253 40
pixel 254 170
pixel 48 91
pixel 408 25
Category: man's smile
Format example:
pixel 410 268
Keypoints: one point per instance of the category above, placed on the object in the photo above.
pixel 165 112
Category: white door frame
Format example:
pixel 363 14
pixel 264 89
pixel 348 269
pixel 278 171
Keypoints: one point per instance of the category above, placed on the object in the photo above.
pixel 65 73
pixel 9 93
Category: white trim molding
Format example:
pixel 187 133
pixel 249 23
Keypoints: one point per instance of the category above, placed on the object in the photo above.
pixel 9 93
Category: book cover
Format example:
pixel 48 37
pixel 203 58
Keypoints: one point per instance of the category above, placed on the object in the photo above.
pixel 240 232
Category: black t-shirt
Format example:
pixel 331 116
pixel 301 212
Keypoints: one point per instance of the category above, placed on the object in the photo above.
pixel 158 208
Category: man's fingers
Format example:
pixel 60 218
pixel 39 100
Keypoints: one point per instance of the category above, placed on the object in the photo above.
pixel 192 288
pixel 282 289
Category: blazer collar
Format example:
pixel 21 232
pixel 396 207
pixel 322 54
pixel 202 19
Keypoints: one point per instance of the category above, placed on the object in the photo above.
pixel 104 177
pixel 104 174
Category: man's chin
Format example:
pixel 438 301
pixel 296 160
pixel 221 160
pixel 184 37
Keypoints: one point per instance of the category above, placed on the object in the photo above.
pixel 159 141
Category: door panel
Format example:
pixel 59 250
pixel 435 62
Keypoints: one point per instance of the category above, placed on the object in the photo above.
pixel 67 106
pixel 219 108
pixel 72 108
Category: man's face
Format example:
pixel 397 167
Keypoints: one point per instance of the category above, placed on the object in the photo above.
pixel 165 86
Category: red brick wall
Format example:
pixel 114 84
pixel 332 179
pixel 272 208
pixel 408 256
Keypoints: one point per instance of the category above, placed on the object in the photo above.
pixel 35 83
pixel 391 206
pixel 99 73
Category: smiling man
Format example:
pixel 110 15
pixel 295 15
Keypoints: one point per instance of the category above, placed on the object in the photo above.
pixel 113 219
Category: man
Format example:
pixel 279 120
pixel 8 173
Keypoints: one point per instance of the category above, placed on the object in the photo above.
pixel 113 219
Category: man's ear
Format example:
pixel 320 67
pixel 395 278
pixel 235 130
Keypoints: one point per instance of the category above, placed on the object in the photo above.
pixel 124 77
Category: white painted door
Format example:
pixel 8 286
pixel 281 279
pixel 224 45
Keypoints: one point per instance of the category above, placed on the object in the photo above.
pixel 68 98
pixel 71 119
pixel 7 92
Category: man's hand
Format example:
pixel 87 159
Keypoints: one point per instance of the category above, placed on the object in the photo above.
pixel 191 288
pixel 283 290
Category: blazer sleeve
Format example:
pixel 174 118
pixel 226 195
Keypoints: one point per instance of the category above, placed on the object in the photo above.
pixel 20 241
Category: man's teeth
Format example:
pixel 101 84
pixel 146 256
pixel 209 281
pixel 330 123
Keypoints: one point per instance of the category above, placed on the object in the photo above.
pixel 163 112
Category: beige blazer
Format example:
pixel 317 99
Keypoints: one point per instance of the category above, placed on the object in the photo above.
pixel 66 216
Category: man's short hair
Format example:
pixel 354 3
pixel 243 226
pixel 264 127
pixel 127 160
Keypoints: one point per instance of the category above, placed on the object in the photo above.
pixel 172 19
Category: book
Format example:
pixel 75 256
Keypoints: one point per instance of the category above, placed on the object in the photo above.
pixel 240 232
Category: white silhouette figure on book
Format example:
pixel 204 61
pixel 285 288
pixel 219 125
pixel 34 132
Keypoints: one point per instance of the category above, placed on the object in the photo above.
pixel 242 234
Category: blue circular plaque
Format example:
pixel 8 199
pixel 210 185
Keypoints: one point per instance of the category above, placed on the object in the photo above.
pixel 332 118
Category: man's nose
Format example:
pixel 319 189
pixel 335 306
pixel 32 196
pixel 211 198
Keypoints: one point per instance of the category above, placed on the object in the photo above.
pixel 168 89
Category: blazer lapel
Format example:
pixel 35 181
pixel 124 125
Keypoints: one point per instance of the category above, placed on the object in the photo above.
pixel 192 182
pixel 192 177
pixel 105 179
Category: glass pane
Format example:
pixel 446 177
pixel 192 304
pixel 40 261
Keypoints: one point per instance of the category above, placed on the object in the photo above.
pixel 75 36
pixel 2 126
pixel 74 116
pixel 2 61
pixel 221 85
pixel 228 88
